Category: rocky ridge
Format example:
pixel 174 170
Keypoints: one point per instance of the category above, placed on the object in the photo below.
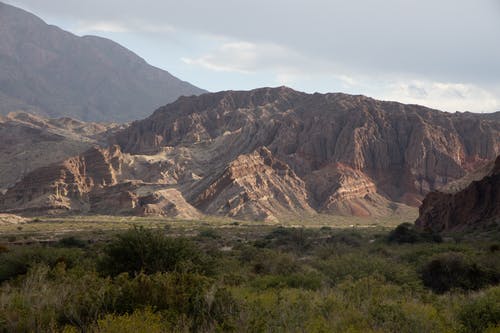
pixel 28 142
pixel 269 152
pixel 468 207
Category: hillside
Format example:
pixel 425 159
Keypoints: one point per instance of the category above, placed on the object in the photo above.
pixel 269 153
pixel 54 73
pixel 473 205
pixel 28 142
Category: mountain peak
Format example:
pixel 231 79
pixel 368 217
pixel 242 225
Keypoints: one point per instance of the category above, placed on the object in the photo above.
pixel 52 72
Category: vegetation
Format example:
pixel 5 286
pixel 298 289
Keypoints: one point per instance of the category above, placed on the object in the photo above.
pixel 242 279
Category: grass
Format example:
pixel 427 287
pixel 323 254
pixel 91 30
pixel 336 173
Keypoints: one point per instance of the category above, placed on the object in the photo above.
pixel 220 276
pixel 50 228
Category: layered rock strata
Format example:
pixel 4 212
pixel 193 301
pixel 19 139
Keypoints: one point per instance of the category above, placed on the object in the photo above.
pixel 270 152
pixel 472 206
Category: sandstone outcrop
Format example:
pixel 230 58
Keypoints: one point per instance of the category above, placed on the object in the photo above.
pixel 11 219
pixel 272 152
pixel 255 186
pixel 96 181
pixel 28 142
pixel 472 206
pixel 374 153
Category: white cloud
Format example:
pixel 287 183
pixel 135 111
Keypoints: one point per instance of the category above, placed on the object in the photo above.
pixel 291 68
pixel 239 57
pixel 245 57
pixel 444 95
pixel 283 65
pixel 100 26
pixel 84 27
pixel 410 51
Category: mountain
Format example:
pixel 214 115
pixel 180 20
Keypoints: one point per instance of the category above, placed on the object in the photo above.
pixel 28 142
pixel 473 203
pixel 266 154
pixel 54 73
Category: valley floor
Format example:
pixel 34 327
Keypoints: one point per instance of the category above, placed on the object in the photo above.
pixel 50 228
pixel 126 274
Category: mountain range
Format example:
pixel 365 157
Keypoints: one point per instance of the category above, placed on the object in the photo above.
pixel 266 154
pixel 51 72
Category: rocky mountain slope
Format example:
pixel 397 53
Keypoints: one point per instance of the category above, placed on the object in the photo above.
pixel 273 152
pixel 28 142
pixel 474 202
pixel 48 71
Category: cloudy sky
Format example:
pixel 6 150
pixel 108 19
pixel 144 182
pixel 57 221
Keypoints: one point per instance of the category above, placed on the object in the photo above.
pixel 440 53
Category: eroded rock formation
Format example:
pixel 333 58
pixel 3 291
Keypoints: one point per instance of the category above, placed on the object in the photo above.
pixel 28 142
pixel 274 151
pixel 474 205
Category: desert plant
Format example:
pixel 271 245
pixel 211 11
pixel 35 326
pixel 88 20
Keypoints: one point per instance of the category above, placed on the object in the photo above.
pixel 406 233
pixel 142 250
pixel 482 312
pixel 18 261
pixel 451 270
pixel 71 241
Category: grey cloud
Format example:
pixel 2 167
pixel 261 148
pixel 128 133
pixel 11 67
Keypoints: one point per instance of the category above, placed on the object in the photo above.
pixel 446 40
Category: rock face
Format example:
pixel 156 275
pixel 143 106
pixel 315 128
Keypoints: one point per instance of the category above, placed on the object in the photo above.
pixel 28 142
pixel 66 185
pixel 11 219
pixel 270 152
pixel 255 186
pixel 471 206
pixel 96 182
pixel 48 71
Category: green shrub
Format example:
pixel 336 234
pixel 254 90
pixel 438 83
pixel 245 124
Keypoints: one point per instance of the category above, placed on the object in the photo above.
pixel 494 248
pixel 352 239
pixel 148 251
pixel 177 295
pixel 406 233
pixel 273 262
pixel 209 233
pixel 404 317
pixel 295 239
pixel 309 281
pixel 18 260
pixel 85 297
pixel 139 321
pixel 71 242
pixel 482 312
pixel 359 265
pixel 452 270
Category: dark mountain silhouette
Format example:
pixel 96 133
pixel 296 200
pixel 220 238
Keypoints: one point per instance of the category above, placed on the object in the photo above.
pixel 49 71
pixel 472 203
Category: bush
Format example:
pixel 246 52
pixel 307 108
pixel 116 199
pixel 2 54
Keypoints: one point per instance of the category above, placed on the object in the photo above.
pixel 406 233
pixel 483 312
pixel 177 295
pixel 452 270
pixel 298 239
pixel 273 262
pixel 143 250
pixel 18 261
pixel 209 233
pixel 360 265
pixel 139 321
pixel 308 281
pixel 71 242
